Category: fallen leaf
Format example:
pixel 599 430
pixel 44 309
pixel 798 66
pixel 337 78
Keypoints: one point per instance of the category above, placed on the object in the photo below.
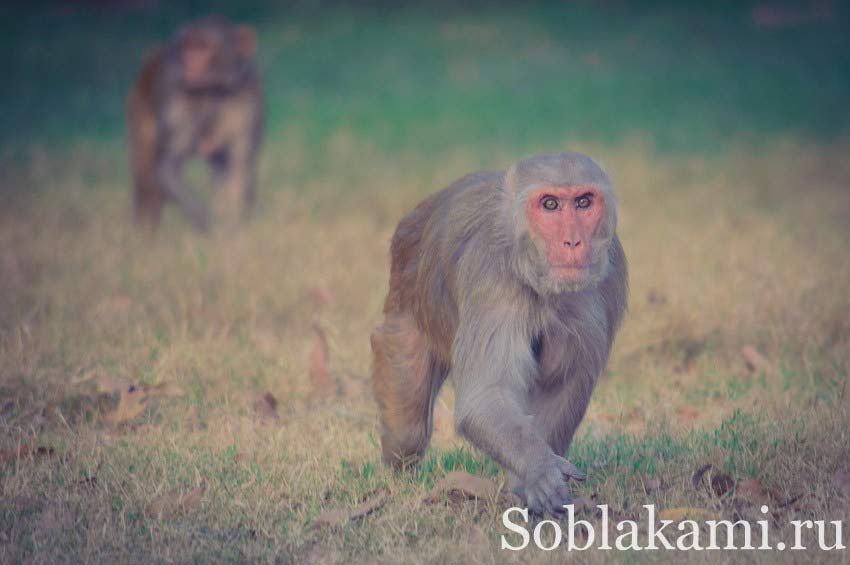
pixel 460 485
pixel 320 380
pixel 171 504
pixel 266 408
pixel 754 360
pixel 721 483
pixel 131 404
pixel 25 451
pixel 133 398
pixel 753 491
pixel 337 517
pixel 688 513
pixel 841 480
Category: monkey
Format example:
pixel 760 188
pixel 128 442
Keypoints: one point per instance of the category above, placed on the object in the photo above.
pixel 198 95
pixel 512 284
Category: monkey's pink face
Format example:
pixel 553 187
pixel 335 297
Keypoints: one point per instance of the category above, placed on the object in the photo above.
pixel 564 220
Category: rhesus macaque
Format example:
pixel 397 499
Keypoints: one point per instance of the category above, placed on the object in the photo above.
pixel 199 95
pixel 514 283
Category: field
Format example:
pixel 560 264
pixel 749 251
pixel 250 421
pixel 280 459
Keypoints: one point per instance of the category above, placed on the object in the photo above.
pixel 135 423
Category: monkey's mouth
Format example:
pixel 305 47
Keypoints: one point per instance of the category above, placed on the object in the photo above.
pixel 574 268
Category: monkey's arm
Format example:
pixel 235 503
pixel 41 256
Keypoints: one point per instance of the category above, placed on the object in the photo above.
pixel 493 368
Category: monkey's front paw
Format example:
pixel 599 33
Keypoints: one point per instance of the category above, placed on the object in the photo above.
pixel 545 486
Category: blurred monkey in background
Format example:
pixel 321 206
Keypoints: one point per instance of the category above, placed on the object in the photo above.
pixel 199 95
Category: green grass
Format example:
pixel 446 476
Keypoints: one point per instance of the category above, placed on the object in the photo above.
pixel 419 79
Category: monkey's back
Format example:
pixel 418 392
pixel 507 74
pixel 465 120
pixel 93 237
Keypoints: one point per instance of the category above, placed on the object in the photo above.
pixel 424 250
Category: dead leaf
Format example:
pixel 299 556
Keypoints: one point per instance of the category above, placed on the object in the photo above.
pixel 688 513
pixel 25 451
pixel 721 483
pixel 266 408
pixel 460 485
pixel 171 504
pixel 320 381
pixel 753 491
pixel 133 398
pixel 337 517
pixel 841 480
pixel 754 360
pixel 130 405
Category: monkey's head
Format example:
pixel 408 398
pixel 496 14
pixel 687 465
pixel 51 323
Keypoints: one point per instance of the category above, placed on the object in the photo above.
pixel 214 54
pixel 565 214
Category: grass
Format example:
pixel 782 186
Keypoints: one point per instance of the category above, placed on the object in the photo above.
pixel 733 216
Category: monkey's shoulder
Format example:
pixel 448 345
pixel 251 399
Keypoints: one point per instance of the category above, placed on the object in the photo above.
pixel 429 219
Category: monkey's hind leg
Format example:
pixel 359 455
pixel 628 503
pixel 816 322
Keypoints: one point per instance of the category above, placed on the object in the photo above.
pixel 142 131
pixel 406 378
pixel 148 201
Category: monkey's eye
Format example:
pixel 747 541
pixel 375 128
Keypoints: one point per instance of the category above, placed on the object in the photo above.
pixel 550 203
pixel 583 201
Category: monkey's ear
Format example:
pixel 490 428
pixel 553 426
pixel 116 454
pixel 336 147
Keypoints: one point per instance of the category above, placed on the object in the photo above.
pixel 245 39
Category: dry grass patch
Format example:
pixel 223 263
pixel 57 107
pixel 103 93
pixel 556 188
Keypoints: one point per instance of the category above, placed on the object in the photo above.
pixel 746 249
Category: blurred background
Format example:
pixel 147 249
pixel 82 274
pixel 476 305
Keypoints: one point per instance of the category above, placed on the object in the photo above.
pixel 162 366
pixel 413 77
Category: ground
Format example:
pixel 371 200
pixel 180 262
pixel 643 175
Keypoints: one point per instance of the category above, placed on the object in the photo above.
pixel 133 369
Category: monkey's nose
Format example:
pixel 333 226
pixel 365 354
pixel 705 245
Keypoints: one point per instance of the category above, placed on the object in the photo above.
pixel 572 243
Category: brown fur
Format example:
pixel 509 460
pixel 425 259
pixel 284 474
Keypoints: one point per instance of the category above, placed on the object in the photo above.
pixel 141 115
pixel 471 295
